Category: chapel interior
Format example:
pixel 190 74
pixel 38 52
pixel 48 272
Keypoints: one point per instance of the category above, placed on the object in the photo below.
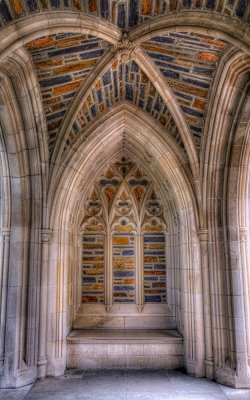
pixel 124 188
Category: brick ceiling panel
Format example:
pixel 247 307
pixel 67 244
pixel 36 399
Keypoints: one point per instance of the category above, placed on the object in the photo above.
pixel 189 63
pixel 124 82
pixel 62 63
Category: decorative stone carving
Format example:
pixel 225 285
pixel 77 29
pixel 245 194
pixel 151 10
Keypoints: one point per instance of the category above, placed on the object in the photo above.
pixel 124 49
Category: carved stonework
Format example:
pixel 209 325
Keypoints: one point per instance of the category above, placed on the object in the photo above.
pixel 124 49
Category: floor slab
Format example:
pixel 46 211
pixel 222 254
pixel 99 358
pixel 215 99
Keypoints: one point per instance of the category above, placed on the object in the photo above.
pixel 125 385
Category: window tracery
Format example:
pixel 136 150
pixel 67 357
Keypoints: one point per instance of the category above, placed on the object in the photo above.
pixel 124 239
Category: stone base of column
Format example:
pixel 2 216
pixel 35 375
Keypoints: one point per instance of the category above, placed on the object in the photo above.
pixel 41 368
pixel 209 368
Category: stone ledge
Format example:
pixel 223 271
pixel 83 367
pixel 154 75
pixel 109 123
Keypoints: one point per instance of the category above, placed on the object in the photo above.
pixel 124 336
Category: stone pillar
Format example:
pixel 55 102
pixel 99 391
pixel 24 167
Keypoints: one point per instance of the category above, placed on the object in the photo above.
pixel 209 360
pixel 192 304
pixel 42 357
pixel 139 272
pixel 246 281
pixel 4 290
pixel 108 271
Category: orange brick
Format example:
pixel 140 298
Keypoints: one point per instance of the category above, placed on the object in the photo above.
pixel 152 90
pixel 74 67
pixel 149 259
pixel 187 89
pixel 56 107
pixel 18 7
pixel 126 228
pixel 92 6
pixel 208 57
pixel 89 100
pixel 199 104
pixel 92 246
pixel 146 7
pixel 71 39
pixel 120 240
pixel 39 43
pixel 48 63
pixel 44 4
pixel 158 273
pixel 89 299
pixel 151 228
pixel 53 100
pixel 98 85
pixel 157 6
pixel 98 287
pixel 195 121
pixel 71 43
pixel 66 88
pixel 215 43
pixel 109 193
pixel 77 4
pixel 162 120
pixel 101 107
pixel 162 50
pixel 144 77
pixel 129 281
pixel 54 125
pixel 157 246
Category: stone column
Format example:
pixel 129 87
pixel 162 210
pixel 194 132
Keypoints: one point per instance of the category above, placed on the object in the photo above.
pixel 246 280
pixel 42 357
pixel 4 290
pixel 209 360
pixel 139 272
pixel 108 271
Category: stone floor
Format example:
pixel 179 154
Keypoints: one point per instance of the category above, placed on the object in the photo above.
pixel 124 385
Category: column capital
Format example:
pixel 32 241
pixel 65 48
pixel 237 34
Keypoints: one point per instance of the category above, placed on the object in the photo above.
pixel 203 234
pixel 46 235
pixel 6 231
pixel 243 232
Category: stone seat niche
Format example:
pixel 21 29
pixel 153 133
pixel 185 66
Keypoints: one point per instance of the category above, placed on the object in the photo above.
pixel 124 338
pixel 124 319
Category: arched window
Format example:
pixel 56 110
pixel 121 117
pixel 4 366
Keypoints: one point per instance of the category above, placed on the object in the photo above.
pixel 124 239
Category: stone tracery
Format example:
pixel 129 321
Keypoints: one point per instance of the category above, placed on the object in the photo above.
pixel 124 212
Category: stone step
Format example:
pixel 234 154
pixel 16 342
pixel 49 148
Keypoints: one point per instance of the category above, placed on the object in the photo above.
pixel 132 349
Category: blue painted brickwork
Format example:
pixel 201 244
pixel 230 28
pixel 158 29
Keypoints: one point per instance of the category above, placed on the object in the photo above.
pixel 138 90
pixel 93 269
pixel 188 62
pixel 154 269
pixel 62 63
pixel 123 269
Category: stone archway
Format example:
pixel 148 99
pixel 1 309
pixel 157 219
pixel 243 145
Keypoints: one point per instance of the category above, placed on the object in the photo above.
pixel 145 145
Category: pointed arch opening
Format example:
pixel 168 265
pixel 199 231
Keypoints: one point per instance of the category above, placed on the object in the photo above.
pixel 164 198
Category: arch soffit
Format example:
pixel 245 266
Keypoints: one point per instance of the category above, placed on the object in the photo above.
pixel 123 116
pixel 230 89
pixel 205 22
pixel 107 143
pixel 239 166
pixel 5 185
